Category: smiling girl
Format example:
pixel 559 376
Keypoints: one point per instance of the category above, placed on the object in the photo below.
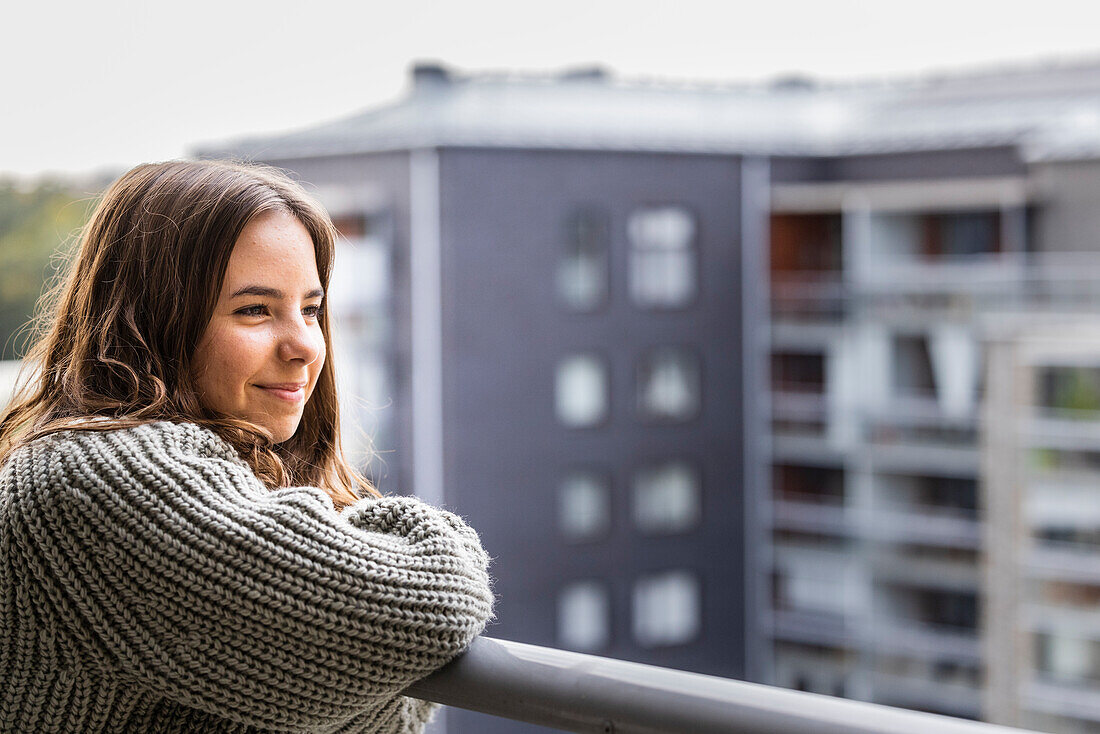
pixel 183 546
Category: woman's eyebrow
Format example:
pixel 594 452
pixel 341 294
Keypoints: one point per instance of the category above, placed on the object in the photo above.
pixel 261 290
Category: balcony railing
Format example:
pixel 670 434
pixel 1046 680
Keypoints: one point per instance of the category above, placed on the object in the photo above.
pixel 584 693
pixel 900 284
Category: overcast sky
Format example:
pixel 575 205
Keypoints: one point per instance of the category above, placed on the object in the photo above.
pixel 94 86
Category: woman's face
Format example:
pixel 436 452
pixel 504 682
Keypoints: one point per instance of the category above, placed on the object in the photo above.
pixel 262 350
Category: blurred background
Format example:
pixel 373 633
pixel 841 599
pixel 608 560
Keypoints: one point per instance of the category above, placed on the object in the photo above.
pixel 762 342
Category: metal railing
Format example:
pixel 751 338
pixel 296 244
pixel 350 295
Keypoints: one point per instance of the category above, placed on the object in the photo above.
pixel 585 693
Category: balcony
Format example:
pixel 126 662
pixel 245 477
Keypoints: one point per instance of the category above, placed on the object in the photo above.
pixel 925 525
pixel 935 572
pixel 805 449
pixel 808 296
pixel 786 335
pixel 808 514
pixel 1072 562
pixel 813 628
pixel 790 403
pixel 900 637
pixel 901 286
pixel 584 693
pixel 914 436
pixel 799 415
pixel 1058 431
pixel 988 279
pixel 798 386
pixel 925 641
pixel 1083 623
pixel 917 410
pixel 911 524
pixel 1062 699
pixel 1065 281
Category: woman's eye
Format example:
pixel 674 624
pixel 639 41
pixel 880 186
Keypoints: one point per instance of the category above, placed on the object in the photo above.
pixel 312 311
pixel 258 310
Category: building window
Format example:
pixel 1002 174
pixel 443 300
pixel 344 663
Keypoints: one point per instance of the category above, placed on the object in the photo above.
pixel 796 372
pixel 668 385
pixel 584 616
pixel 666 609
pixel 808 484
pixel 1067 657
pixel 666 498
pixel 1069 391
pixel 582 271
pixel 805 243
pixel 958 234
pixel 585 506
pixel 581 391
pixel 662 257
pixel 947 608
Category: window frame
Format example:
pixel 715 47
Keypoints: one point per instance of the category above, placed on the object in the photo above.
pixel 608 618
pixel 566 251
pixel 693 250
pixel 696 521
pixel 696 356
pixel 693 635
pixel 605 363
pixel 604 478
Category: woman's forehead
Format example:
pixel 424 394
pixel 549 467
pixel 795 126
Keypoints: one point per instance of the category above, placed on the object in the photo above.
pixel 273 251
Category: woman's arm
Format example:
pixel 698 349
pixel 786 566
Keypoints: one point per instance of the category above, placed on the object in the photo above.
pixel 160 555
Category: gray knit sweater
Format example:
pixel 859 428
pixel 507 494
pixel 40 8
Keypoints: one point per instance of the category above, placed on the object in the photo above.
pixel 150 583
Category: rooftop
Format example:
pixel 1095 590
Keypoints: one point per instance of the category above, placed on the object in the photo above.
pixel 1050 111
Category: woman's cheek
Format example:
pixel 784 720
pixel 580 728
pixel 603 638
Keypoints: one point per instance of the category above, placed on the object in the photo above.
pixel 242 352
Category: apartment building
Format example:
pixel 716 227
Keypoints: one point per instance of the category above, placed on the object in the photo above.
pixel 1040 452
pixel 707 366
pixel 875 374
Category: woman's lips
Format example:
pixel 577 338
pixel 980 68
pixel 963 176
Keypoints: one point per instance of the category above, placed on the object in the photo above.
pixel 290 392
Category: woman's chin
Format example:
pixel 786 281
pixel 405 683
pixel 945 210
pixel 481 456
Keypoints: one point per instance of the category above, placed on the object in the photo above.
pixel 279 430
pixel 281 436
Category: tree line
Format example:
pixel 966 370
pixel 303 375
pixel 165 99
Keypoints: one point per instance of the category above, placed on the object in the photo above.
pixel 39 227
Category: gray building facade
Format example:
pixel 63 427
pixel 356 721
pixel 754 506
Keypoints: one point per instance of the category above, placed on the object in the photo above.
pixel 479 327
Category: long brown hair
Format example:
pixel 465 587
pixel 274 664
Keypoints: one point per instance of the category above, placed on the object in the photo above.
pixel 116 337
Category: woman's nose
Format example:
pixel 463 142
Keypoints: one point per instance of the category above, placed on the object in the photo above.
pixel 300 340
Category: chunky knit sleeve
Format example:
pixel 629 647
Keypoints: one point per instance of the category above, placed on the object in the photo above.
pixel 162 558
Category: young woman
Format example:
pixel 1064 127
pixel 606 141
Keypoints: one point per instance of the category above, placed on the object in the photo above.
pixel 183 547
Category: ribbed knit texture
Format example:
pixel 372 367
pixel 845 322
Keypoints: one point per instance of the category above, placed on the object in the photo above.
pixel 150 583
